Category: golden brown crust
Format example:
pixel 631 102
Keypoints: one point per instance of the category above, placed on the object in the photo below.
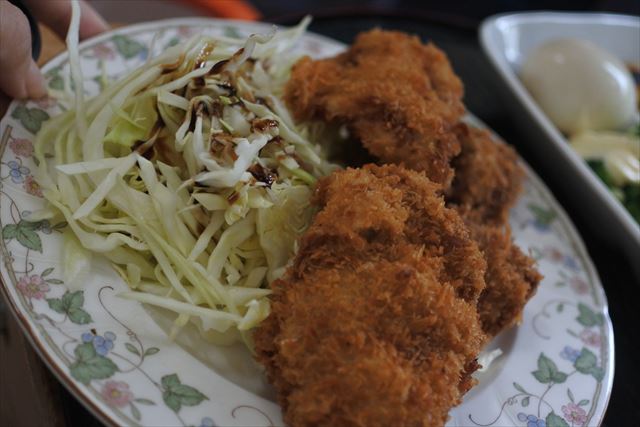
pixel 375 324
pixel 381 316
pixel 487 178
pixel 511 278
pixel 396 95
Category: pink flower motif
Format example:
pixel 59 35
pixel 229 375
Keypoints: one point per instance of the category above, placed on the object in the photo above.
pixel 186 31
pixel 32 187
pixel 21 147
pixel 579 285
pixel 312 46
pixel 574 414
pixel 102 51
pixel 116 393
pixel 45 103
pixel 590 338
pixel 554 255
pixel 33 287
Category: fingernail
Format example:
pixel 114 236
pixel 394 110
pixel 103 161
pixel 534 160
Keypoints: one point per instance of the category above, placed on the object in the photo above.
pixel 35 83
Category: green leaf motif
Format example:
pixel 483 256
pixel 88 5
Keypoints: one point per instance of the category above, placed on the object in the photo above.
pixel 559 377
pixel 60 225
pixel 79 316
pixel 135 412
pixel 71 305
pixel 127 47
pixel 597 373
pixel 583 402
pixel 132 348
pixel 9 231
pixel 57 83
pixel 525 402
pixel 188 395
pixel 30 118
pixel 547 371
pixel 169 381
pixel 47 272
pixel 151 351
pixel 28 225
pixel 232 32
pixel 171 400
pixel 54 71
pixel 25 233
pixel 174 41
pixel 176 394
pixel 519 387
pixel 144 401
pixel 543 216
pixel 570 395
pixel 586 363
pixel 56 305
pixel 89 365
pixel 588 317
pixel 55 281
pixel 554 420
pixel 29 239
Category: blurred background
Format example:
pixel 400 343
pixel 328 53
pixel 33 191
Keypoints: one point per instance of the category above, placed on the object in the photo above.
pixel 464 12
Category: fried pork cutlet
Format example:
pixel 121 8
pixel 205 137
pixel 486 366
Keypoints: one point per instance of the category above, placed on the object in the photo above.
pixel 487 183
pixel 487 178
pixel 402 110
pixel 375 323
pixel 511 278
pixel 397 96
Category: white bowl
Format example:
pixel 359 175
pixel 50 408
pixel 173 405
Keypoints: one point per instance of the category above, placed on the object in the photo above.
pixel 507 40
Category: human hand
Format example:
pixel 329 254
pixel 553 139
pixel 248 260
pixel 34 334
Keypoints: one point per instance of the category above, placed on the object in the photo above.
pixel 20 77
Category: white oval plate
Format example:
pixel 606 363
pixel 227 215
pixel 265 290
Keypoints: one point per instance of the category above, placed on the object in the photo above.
pixel 115 356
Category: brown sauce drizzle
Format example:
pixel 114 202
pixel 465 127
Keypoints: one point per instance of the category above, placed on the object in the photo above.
pixel 230 152
pixel 216 109
pixel 218 67
pixel 199 82
pixel 233 197
pixel 263 125
pixel 263 174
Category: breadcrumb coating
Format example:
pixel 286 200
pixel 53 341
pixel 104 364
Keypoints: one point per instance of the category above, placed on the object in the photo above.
pixel 399 97
pixel 408 269
pixel 375 324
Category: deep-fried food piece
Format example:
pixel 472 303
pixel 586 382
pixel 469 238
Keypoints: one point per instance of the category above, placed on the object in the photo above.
pixel 487 183
pixel 487 178
pixel 395 205
pixel 375 324
pixel 396 95
pixel 511 278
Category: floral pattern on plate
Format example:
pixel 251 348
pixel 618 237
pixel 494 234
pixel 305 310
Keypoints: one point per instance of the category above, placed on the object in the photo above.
pixel 115 356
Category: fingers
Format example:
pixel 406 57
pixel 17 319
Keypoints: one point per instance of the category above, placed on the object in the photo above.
pixel 19 75
pixel 56 14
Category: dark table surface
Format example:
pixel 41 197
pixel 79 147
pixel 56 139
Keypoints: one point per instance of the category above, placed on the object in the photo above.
pixel 31 396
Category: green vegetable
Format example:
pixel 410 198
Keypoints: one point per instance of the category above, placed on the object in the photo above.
pixel 632 200
pixel 628 195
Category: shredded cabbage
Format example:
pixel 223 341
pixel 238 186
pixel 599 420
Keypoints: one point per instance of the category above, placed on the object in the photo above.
pixel 189 175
